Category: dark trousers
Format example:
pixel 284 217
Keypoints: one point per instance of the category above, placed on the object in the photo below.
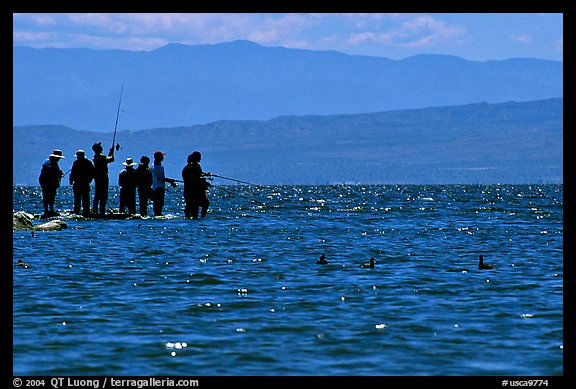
pixel 128 200
pixel 193 202
pixel 158 199
pixel 143 196
pixel 81 197
pixel 48 198
pixel 100 195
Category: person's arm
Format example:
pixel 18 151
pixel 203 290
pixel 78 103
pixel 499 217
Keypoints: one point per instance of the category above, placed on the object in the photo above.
pixel 72 174
pixel 171 181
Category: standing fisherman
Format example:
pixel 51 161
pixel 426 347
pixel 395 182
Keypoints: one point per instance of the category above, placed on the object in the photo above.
pixel 159 181
pixel 127 183
pixel 49 179
pixel 144 184
pixel 101 177
pixel 81 176
pixel 195 186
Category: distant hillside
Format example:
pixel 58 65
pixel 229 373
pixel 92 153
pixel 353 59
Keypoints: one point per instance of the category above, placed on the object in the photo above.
pixel 179 85
pixel 476 143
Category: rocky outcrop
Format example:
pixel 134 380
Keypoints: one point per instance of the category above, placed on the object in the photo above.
pixel 52 225
pixel 22 221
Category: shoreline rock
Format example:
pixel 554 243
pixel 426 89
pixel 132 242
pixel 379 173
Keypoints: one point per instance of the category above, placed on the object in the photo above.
pixel 22 221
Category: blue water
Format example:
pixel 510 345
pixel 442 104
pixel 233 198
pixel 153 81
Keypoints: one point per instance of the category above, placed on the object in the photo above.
pixel 239 293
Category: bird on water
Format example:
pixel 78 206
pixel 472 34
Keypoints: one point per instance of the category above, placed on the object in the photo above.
pixel 482 265
pixel 22 263
pixel 370 264
pixel 322 260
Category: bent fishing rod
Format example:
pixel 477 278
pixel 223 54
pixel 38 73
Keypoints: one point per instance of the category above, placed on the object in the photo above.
pixel 117 116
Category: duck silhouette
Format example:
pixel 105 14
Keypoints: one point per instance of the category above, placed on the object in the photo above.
pixel 22 263
pixel 482 265
pixel 370 264
pixel 322 260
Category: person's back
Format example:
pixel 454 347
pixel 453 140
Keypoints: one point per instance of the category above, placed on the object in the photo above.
pixel 101 162
pixel 83 171
pixel 101 166
pixel 191 175
pixel 127 179
pixel 144 184
pixel 159 180
pixel 143 177
pixel 81 175
pixel 49 180
pixel 195 186
pixel 128 182
pixel 50 174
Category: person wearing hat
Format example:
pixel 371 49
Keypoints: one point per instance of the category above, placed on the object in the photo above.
pixel 49 179
pixel 127 183
pixel 101 162
pixel 81 176
pixel 195 186
pixel 159 181
pixel 144 184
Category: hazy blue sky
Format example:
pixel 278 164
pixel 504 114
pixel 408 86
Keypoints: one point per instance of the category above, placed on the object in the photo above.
pixel 474 36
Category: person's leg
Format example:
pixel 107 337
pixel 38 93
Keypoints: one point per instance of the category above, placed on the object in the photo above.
pixel 187 205
pixel 205 205
pixel 45 199
pixel 77 197
pixel 97 191
pixel 122 200
pixel 104 196
pixel 143 200
pixel 51 199
pixel 158 196
pixel 194 205
pixel 86 199
pixel 132 203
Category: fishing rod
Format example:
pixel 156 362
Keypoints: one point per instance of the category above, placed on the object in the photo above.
pixel 225 178
pixel 219 187
pixel 117 116
pixel 231 179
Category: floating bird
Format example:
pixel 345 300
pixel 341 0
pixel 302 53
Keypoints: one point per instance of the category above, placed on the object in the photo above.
pixel 322 260
pixel 370 265
pixel 482 265
pixel 22 263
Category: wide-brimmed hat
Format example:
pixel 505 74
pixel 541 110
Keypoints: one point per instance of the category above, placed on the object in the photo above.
pixel 129 162
pixel 80 153
pixel 57 154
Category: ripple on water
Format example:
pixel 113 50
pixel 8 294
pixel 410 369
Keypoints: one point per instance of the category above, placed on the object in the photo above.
pixel 242 288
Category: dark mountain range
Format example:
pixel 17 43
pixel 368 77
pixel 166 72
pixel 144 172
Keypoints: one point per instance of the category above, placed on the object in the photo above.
pixel 512 142
pixel 179 85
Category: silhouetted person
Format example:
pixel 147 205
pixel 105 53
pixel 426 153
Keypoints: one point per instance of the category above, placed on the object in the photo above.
pixel 159 181
pixel 81 176
pixel 49 179
pixel 482 265
pixel 195 186
pixel 101 162
pixel 144 184
pixel 127 183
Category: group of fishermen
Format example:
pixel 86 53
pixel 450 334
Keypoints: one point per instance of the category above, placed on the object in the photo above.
pixel 148 181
